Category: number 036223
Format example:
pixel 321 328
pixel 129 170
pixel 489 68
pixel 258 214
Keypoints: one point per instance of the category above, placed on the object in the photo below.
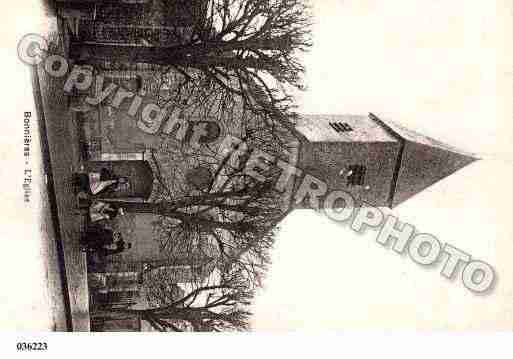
pixel 31 346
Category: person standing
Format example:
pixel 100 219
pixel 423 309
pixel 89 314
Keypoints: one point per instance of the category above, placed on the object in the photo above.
pixel 96 237
pixel 118 246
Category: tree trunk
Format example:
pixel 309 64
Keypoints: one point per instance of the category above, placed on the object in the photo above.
pixel 167 209
pixel 188 56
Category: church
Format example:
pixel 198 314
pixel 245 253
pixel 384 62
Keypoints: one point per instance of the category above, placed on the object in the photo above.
pixel 377 161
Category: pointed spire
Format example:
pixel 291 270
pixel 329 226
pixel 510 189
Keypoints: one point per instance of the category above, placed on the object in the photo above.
pixel 423 161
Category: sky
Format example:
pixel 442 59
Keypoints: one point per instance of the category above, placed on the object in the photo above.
pixel 443 68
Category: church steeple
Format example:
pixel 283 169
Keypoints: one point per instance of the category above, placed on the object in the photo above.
pixel 379 162
pixel 422 162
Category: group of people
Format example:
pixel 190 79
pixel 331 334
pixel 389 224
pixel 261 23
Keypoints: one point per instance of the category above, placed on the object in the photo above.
pixel 100 183
pixel 97 238
pixel 103 241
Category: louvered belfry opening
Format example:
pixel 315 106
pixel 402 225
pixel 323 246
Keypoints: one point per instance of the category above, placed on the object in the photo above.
pixel 341 127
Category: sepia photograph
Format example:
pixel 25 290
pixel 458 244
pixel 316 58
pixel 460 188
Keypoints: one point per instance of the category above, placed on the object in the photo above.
pixel 263 166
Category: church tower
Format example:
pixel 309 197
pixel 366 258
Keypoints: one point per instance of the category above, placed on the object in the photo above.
pixel 378 162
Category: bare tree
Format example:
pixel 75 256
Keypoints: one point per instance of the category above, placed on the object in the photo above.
pixel 229 209
pixel 236 214
pixel 219 303
pixel 250 48
pixel 225 221
pixel 236 65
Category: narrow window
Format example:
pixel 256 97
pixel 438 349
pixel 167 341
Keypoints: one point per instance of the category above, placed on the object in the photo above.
pixel 356 175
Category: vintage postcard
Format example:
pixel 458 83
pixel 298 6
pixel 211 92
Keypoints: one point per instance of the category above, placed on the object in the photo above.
pixel 257 165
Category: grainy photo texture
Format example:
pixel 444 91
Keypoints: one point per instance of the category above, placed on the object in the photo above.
pixel 175 143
